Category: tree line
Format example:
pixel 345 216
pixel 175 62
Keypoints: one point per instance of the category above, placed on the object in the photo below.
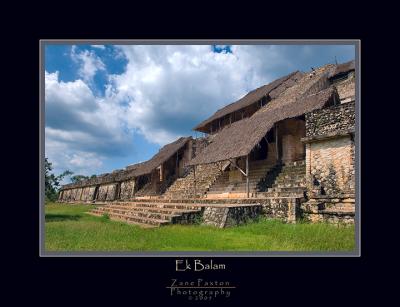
pixel 53 182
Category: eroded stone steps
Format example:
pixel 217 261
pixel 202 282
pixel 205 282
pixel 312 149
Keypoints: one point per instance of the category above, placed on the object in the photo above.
pixel 153 209
pixel 154 214
pixel 172 216
pixel 138 214
pixel 161 205
pixel 133 219
pixel 280 194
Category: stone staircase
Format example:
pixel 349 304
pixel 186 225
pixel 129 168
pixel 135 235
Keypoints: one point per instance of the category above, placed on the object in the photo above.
pixel 149 214
pixel 146 190
pixel 205 177
pixel 288 180
pixel 223 187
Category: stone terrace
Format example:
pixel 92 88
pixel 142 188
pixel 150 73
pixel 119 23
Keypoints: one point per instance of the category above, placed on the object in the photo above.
pixel 157 213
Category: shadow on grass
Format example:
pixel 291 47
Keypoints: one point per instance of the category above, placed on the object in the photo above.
pixel 61 217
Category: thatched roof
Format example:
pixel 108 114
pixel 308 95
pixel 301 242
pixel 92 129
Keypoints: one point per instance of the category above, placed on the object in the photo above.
pixel 134 170
pixel 163 155
pixel 272 89
pixel 343 69
pixel 237 140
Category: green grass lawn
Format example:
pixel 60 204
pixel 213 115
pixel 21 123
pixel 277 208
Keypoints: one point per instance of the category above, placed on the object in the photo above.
pixel 68 228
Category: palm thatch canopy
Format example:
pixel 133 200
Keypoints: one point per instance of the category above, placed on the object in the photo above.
pixel 237 140
pixel 163 155
pixel 343 69
pixel 272 89
pixel 134 170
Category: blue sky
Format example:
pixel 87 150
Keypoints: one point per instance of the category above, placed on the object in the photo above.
pixel 109 106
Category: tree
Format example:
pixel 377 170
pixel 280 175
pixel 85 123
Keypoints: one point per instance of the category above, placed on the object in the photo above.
pixel 78 178
pixel 52 182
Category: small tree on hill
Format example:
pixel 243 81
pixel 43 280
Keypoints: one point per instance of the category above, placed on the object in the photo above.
pixel 52 182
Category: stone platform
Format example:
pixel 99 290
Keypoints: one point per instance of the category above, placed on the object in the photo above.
pixel 160 212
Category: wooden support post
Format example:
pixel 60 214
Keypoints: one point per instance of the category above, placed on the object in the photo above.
pixel 194 176
pixel 247 176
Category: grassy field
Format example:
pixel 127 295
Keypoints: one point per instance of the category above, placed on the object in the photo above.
pixel 68 228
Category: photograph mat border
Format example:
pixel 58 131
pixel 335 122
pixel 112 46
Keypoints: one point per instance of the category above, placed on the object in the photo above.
pixel 357 218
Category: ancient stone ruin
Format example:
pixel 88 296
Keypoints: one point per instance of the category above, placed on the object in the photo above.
pixel 285 150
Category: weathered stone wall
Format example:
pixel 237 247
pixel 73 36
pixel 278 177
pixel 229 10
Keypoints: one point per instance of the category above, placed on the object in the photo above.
pixel 88 193
pixel 330 150
pixel 107 192
pixel 331 210
pixel 332 165
pixel 331 121
pixel 127 189
pixel 284 208
pixel 230 216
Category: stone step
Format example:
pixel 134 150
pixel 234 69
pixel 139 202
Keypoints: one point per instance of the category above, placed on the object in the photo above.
pixel 338 212
pixel 290 179
pixel 293 190
pixel 166 205
pixel 141 221
pixel 234 188
pixel 280 194
pixel 139 214
pixel 288 185
pixel 155 209
pixel 225 184
pixel 292 173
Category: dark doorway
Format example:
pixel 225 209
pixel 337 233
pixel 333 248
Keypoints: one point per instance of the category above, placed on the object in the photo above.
pixel 260 152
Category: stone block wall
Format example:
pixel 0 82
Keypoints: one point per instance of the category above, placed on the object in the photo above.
pixel 127 189
pixel 230 216
pixel 107 192
pixel 332 167
pixel 330 164
pixel 284 208
pixel 331 121
pixel 330 150
pixel 331 210
pixel 88 193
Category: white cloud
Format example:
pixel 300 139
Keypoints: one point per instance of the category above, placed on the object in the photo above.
pixel 89 62
pixel 168 89
pixel 82 130
pixel 98 46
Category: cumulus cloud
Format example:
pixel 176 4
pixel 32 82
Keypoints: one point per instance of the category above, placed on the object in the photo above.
pixel 89 63
pixel 78 123
pixel 169 89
